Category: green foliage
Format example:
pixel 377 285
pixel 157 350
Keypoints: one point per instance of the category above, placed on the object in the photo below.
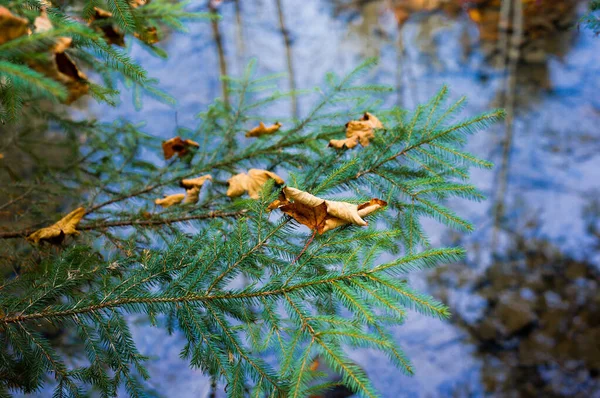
pixel 240 284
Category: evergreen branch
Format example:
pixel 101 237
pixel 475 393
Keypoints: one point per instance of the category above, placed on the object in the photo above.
pixel 134 223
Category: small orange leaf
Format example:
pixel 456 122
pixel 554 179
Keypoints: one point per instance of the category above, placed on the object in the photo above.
pixel 261 129
pixel 195 182
pixel 358 131
pixel 62 68
pixel 177 146
pixel 251 182
pixel 191 195
pixel 56 233
pixel 170 200
pixel 11 26
pixel 112 34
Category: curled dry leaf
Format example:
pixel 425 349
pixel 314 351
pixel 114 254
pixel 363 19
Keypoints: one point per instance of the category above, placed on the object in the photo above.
pixel 195 182
pixel 11 26
pixel 62 68
pixel 261 129
pixel 170 200
pixel 191 195
pixel 251 182
pixel 308 210
pixel 358 131
pixel 112 34
pixel 56 233
pixel 177 146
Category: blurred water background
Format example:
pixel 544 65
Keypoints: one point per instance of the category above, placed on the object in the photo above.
pixel 526 302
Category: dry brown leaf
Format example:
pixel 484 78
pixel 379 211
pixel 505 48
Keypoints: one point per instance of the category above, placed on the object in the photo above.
pixel 263 130
pixel 62 68
pixel 57 232
pixel 358 131
pixel 11 26
pixel 337 213
pixel 195 182
pixel 314 217
pixel 170 200
pixel 251 182
pixel 112 34
pixel 177 146
pixel 191 195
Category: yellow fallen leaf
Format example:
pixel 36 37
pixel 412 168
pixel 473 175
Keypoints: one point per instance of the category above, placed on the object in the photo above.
pixel 170 200
pixel 11 26
pixel 191 195
pixel 177 146
pixel 358 131
pixel 263 130
pixel 195 182
pixel 337 213
pixel 63 227
pixel 251 182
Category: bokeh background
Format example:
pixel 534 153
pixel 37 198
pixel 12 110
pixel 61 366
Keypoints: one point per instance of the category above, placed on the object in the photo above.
pixel 526 302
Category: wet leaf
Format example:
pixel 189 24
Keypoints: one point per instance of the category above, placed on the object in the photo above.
pixel 177 146
pixel 56 233
pixel 337 213
pixel 170 200
pixel 251 182
pixel 358 131
pixel 11 26
pixel 261 129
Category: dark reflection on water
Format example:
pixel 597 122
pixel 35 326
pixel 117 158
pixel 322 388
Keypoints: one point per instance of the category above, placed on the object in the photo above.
pixel 527 301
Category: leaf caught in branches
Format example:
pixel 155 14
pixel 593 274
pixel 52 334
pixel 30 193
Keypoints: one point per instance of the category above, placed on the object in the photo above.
pixel 197 182
pixel 61 67
pixel 56 233
pixel 112 34
pixel 261 129
pixel 177 146
pixel 170 200
pixel 11 26
pixel 358 131
pixel 251 182
pixel 307 209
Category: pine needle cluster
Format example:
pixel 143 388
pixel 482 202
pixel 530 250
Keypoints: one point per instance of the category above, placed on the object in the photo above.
pixel 255 295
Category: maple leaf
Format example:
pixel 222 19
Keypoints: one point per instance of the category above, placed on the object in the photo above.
pixel 261 129
pixel 251 182
pixel 56 232
pixel 324 215
pixel 11 26
pixel 170 200
pixel 358 131
pixel 177 146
